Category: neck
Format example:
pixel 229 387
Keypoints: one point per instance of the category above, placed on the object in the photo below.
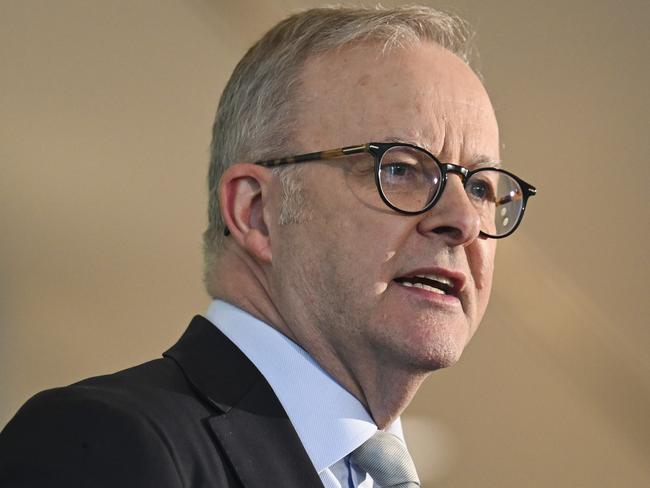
pixel 383 387
pixel 238 279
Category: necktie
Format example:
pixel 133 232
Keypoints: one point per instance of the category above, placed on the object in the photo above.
pixel 385 458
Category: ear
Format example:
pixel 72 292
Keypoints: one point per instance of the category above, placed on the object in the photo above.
pixel 243 196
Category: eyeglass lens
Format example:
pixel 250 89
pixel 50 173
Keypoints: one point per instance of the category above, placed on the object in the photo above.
pixel 410 179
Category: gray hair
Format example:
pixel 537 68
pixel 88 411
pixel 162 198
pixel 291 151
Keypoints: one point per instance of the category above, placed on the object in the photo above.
pixel 254 119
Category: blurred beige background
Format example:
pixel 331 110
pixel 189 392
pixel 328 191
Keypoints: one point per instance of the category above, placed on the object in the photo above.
pixel 106 109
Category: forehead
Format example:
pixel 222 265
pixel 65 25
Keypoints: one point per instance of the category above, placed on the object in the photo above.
pixel 422 94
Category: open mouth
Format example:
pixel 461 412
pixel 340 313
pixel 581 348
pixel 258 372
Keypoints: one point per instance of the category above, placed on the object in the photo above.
pixel 430 282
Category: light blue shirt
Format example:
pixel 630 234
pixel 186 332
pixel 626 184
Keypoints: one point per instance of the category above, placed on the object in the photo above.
pixel 330 421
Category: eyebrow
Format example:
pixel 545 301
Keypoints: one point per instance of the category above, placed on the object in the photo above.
pixel 482 161
pixel 475 162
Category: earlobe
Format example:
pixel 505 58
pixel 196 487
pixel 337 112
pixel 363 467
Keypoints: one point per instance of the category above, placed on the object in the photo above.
pixel 243 195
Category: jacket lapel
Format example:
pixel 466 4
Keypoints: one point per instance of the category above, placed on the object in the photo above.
pixel 251 424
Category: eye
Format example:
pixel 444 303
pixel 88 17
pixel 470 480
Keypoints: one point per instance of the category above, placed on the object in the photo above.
pixel 480 189
pixel 398 169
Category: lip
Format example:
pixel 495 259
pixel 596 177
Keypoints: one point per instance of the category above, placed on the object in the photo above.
pixel 457 278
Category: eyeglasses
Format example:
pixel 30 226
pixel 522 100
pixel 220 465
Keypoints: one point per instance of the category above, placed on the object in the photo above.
pixel 410 180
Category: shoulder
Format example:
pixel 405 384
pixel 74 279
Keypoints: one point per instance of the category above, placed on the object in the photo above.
pixel 114 430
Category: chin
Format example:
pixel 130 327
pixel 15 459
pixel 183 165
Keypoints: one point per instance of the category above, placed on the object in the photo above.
pixel 423 341
pixel 440 350
pixel 444 357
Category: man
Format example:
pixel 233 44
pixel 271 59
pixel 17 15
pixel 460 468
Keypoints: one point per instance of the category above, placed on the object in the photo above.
pixel 354 209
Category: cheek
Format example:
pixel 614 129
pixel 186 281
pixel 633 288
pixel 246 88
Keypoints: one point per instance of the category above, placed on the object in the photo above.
pixel 480 256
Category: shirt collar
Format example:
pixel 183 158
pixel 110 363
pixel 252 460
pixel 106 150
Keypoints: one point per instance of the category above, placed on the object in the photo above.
pixel 329 420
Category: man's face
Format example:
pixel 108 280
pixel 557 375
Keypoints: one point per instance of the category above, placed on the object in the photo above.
pixel 334 275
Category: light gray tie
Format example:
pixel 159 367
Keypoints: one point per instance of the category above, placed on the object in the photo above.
pixel 385 458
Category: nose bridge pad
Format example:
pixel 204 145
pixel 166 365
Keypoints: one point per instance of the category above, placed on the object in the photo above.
pixel 463 174
pixel 461 171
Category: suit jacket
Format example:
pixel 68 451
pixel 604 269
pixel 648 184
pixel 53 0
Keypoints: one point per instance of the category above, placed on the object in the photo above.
pixel 201 416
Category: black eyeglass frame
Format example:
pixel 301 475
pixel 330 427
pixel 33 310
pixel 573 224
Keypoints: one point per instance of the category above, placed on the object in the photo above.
pixel 378 149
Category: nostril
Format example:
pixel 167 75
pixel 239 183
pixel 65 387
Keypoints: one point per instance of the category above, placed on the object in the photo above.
pixel 445 229
pixel 452 234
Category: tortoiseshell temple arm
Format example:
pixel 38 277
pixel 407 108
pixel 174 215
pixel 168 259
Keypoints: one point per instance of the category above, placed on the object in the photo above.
pixel 509 198
pixel 528 190
pixel 315 156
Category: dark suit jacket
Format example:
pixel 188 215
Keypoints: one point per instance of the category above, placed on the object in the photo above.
pixel 201 416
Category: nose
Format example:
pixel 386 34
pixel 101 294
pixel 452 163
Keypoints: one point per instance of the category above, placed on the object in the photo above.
pixel 453 217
